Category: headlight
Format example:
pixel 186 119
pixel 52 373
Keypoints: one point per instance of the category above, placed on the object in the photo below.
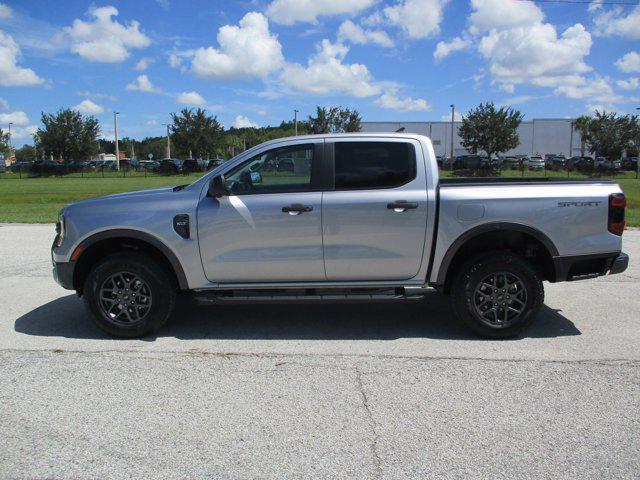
pixel 60 228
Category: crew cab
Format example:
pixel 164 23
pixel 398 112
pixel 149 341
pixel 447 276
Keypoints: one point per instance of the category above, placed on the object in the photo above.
pixel 354 218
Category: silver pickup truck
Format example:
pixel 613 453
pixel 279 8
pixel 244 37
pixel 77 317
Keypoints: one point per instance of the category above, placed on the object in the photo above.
pixel 348 217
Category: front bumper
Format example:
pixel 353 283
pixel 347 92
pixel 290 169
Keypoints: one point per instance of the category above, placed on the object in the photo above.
pixel 63 274
pixel 581 267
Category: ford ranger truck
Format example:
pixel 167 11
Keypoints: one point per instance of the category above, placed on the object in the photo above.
pixel 338 218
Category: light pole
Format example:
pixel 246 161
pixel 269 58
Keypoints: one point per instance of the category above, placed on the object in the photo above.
pixel 453 113
pixel 168 140
pixel 115 134
pixel 10 147
pixel 295 120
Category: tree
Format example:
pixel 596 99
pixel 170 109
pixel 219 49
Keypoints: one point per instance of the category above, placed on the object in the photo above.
pixel 68 134
pixel 4 142
pixel 195 132
pixel 490 130
pixel 26 153
pixel 609 135
pixel 335 120
pixel 582 125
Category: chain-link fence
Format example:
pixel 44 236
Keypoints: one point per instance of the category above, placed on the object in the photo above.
pixel 104 170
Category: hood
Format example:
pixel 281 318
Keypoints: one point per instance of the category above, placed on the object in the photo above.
pixel 120 200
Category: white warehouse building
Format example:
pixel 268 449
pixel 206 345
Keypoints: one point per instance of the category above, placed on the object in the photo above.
pixel 537 136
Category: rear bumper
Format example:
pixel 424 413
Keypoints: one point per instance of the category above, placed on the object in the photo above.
pixel 582 267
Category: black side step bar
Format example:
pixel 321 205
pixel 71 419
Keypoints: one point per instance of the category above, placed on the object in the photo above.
pixel 308 296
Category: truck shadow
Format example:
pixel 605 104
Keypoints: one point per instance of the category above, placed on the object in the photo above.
pixel 431 318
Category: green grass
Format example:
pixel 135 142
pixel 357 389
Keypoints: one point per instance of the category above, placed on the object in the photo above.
pixel 33 200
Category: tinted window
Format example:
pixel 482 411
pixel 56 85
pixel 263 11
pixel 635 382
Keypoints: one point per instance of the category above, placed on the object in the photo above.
pixel 285 169
pixel 373 164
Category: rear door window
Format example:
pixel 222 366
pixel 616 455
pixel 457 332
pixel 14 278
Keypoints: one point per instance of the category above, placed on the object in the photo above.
pixel 370 165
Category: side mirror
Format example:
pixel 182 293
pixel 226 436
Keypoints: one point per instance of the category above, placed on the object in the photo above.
pixel 217 187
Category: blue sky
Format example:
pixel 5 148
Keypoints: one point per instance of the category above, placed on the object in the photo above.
pixel 253 62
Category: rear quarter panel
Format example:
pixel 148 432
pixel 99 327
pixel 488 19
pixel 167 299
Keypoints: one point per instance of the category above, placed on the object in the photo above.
pixel 574 229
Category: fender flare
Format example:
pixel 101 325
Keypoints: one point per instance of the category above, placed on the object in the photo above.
pixel 142 236
pixel 470 234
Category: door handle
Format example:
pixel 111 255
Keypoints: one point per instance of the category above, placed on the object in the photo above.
pixel 297 209
pixel 401 205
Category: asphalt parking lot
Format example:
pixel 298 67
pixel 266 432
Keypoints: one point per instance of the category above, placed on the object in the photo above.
pixel 377 391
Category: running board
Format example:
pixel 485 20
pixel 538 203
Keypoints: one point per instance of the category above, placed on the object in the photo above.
pixel 310 295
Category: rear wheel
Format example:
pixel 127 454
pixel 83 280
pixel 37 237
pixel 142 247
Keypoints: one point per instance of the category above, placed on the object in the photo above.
pixel 497 295
pixel 129 295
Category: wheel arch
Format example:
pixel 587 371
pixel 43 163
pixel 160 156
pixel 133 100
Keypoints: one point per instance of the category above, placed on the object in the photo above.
pixel 104 243
pixel 523 239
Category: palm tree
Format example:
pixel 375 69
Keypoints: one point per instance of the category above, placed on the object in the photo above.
pixel 583 125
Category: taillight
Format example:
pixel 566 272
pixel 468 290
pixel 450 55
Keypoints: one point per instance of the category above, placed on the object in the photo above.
pixel 617 204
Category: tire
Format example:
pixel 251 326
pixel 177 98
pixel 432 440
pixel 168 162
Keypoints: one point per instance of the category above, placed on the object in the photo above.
pixel 485 307
pixel 152 295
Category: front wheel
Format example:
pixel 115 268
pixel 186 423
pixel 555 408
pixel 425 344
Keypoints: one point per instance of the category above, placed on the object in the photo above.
pixel 497 295
pixel 129 295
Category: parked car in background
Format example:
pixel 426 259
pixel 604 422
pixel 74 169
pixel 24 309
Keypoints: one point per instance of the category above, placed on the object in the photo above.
pixel 629 163
pixel 48 167
pixel 149 165
pixel 22 167
pixel 555 162
pixel 3 165
pixel 170 166
pixel 214 162
pixel 127 164
pixel 582 164
pixel 193 165
pixel 533 163
pixel 604 164
pixel 511 162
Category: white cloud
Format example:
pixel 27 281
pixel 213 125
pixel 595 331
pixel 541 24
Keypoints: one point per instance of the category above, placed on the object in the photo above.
pixel 4 105
pixel 143 84
pixel 326 73
pixel 88 107
pixel 105 39
pixel 417 18
pixel 632 84
pixel 531 52
pixel 596 89
pixel 443 49
pixel 288 12
pixel 17 118
pixel 247 50
pixel 143 63
pixel 391 101
pixel 353 33
pixel 5 11
pixel 174 60
pixel 11 75
pixel 503 14
pixel 243 122
pixel 23 132
pixel 191 98
pixel 151 122
pixel 618 21
pixel 96 95
pixel 457 117
pixel 629 62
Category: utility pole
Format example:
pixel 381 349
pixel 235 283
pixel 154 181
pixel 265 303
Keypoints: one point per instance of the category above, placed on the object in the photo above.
pixel 168 141
pixel 133 150
pixel 295 120
pixel 10 146
pixel 115 133
pixel 453 113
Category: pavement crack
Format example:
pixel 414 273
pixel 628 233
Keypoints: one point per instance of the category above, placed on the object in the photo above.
pixel 372 425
